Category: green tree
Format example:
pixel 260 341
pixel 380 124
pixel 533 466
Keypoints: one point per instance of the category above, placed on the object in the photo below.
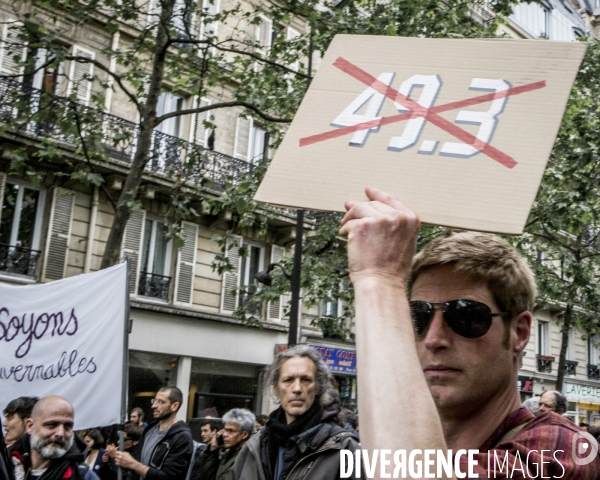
pixel 562 235
pixel 176 40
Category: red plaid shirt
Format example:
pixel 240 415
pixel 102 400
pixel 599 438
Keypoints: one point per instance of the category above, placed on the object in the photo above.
pixel 526 446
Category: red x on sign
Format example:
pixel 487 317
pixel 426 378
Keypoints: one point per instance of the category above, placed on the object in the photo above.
pixel 417 110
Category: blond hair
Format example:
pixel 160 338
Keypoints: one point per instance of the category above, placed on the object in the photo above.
pixel 483 257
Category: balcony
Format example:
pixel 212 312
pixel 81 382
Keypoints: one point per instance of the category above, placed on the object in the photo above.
pixel 155 286
pixel 544 363
pixel 593 372
pixel 570 366
pixel 16 260
pixel 41 114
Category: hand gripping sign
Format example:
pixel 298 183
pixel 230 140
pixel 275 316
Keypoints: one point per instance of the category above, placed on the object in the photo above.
pixel 459 130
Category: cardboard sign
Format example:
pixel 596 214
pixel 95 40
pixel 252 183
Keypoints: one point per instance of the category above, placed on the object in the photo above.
pixel 459 130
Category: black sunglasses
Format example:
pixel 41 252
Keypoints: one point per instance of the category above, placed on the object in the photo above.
pixel 467 318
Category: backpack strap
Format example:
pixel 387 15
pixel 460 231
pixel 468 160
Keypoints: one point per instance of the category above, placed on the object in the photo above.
pixel 511 433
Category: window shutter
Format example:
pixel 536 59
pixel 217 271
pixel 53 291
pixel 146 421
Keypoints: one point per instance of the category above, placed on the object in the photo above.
pixel 2 186
pixel 186 263
pixel 132 244
pixel 242 138
pixel 231 279
pixel 59 234
pixel 275 308
pixel 209 8
pixel 199 131
pixel 10 47
pixel 80 75
pixel 263 34
pixel 153 13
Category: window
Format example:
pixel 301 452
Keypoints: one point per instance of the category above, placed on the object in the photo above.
pixel 543 346
pixel 156 261
pixel 332 309
pixel 169 103
pixel 571 346
pixel 250 266
pixel 20 223
pixel 46 77
pixel 167 149
pixel 183 18
pixel 265 35
pixel 592 350
pixel 259 144
pixel 547 8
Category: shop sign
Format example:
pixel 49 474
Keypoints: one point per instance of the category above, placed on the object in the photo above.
pixel 582 393
pixel 338 360
pixel 525 384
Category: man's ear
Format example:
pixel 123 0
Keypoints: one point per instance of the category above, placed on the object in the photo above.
pixel 520 331
pixel 245 435
pixel 175 406
pixel 29 425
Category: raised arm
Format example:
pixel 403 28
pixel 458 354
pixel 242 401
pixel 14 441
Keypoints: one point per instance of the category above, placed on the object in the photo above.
pixel 396 410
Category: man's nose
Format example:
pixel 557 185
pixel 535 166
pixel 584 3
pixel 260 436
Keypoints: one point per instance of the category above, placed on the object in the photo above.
pixel 438 334
pixel 297 386
pixel 59 431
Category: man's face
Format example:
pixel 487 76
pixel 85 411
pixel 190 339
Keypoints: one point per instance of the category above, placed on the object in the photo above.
pixel 465 374
pixel 207 434
pixel 547 402
pixel 51 429
pixel 162 407
pixel 297 386
pixel 134 418
pixel 14 428
pixel 233 437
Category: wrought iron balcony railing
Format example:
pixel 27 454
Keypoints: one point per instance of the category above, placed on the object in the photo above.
pixel 38 113
pixel 544 363
pixel 18 260
pixel 593 372
pixel 570 367
pixel 154 286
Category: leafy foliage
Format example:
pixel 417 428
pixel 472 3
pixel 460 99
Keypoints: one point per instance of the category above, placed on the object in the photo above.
pixel 562 235
pixel 170 49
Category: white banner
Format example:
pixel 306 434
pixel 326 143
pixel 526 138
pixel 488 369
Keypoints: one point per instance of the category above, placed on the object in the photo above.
pixel 66 338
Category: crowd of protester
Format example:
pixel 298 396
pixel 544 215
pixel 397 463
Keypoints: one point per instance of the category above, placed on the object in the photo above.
pixel 164 448
pixel 40 441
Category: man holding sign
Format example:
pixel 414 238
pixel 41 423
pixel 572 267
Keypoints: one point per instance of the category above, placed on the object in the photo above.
pixel 454 319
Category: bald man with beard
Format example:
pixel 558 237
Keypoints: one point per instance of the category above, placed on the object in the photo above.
pixel 50 449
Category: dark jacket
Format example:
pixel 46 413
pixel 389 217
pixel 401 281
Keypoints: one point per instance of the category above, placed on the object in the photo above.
pixel 5 461
pixel 103 469
pixel 171 457
pixel 70 466
pixel 207 465
pixel 225 471
pixel 316 453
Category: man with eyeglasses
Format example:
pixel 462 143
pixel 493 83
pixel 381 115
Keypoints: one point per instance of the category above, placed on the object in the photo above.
pixel 239 426
pixel 165 449
pixel 452 352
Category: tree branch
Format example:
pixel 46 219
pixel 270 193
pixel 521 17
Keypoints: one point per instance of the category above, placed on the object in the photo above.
pixel 234 103
pixel 88 160
pixel 116 77
pixel 241 52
